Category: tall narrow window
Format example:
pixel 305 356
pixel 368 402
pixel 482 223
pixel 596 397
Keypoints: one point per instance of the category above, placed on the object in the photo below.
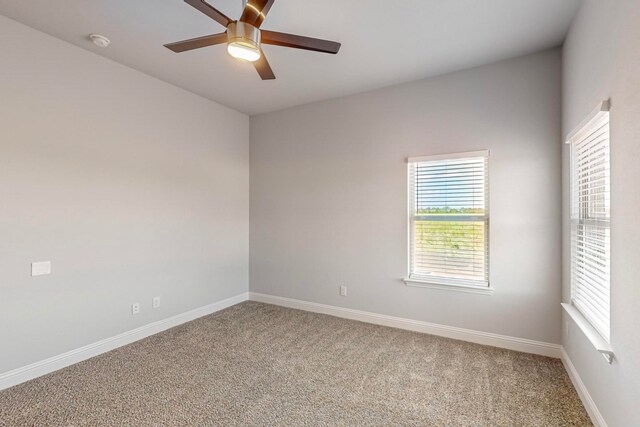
pixel 590 221
pixel 449 219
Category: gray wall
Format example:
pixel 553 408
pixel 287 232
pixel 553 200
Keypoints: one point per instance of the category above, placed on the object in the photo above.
pixel 132 187
pixel 602 60
pixel 329 188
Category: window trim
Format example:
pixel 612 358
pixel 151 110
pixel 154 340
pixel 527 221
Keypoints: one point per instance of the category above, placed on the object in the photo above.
pixel 600 343
pixel 442 282
pixel 444 285
pixel 589 331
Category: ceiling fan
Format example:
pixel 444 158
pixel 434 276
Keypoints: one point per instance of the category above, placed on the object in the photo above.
pixel 244 37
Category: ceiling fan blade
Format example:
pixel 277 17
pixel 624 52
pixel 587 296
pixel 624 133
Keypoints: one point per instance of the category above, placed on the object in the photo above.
pixel 255 11
pixel 210 11
pixel 299 42
pixel 197 43
pixel 263 68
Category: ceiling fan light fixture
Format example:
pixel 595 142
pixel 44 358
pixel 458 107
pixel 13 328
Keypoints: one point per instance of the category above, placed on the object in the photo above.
pixel 243 41
pixel 243 51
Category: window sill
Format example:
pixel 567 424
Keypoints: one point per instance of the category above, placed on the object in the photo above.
pixel 434 284
pixel 592 335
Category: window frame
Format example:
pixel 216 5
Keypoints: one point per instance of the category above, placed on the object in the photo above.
pixel 442 281
pixel 581 316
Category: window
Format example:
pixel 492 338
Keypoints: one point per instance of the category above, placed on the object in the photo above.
pixel 449 220
pixel 590 221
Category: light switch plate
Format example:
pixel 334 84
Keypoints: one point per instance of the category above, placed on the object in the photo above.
pixel 40 268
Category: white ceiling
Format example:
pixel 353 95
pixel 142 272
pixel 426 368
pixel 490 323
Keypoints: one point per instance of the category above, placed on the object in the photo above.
pixel 384 42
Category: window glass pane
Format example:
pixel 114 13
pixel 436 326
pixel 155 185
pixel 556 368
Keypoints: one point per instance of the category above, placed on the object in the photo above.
pixel 450 187
pixel 450 248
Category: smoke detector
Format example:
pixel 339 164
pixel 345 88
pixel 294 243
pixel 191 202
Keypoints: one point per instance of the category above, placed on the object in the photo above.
pixel 98 40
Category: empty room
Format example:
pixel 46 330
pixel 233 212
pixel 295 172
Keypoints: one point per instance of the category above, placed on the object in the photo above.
pixel 320 213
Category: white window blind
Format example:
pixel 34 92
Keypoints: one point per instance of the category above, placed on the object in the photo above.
pixel 590 222
pixel 449 219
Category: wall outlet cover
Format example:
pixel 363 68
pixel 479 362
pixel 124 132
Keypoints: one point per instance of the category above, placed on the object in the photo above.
pixel 135 308
pixel 40 268
pixel 156 302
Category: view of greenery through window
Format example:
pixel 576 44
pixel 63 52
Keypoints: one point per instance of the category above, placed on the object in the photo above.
pixel 458 244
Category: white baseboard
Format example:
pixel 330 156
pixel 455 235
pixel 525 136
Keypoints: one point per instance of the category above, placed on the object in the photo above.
pixel 478 337
pixel 34 370
pixel 581 388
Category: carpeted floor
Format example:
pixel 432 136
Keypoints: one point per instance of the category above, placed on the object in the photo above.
pixel 261 365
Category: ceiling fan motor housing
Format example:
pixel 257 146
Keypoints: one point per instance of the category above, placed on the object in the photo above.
pixel 243 34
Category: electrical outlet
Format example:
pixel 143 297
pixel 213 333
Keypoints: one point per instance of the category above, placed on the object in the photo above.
pixel 343 291
pixel 156 302
pixel 135 308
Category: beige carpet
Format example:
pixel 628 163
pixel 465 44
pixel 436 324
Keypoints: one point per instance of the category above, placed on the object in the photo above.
pixel 261 365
